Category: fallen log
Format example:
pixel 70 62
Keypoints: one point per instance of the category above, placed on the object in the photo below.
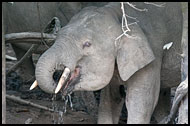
pixel 19 100
pixel 29 37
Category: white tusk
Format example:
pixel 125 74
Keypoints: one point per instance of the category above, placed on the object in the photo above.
pixel 35 84
pixel 64 76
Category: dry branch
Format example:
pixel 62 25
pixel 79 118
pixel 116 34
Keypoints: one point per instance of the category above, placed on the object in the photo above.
pixel 125 25
pixel 134 7
pixel 28 37
pixel 28 54
pixel 42 38
pixel 10 58
pixel 19 100
pixel 124 19
pixel 157 5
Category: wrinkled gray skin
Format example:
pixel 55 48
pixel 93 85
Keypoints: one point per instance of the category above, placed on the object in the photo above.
pixel 138 63
pixel 24 17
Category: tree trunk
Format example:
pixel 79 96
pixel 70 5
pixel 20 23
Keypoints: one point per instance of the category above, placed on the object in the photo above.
pixel 183 108
pixel 3 77
pixel 183 111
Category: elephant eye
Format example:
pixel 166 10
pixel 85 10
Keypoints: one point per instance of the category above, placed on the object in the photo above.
pixel 86 44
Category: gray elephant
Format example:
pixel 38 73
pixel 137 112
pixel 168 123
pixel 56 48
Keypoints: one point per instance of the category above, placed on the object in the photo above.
pixel 87 53
pixel 25 17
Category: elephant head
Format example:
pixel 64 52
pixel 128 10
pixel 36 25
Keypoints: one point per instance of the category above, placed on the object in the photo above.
pixel 86 49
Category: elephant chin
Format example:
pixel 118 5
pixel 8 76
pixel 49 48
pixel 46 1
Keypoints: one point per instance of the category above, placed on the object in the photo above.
pixel 90 84
pixel 69 83
pixel 92 80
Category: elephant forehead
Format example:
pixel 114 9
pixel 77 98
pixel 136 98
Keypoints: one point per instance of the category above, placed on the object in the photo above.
pixel 84 16
pixel 74 33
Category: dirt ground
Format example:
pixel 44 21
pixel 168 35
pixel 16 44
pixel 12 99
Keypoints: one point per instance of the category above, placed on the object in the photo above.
pixel 24 114
pixel 17 113
pixel 20 113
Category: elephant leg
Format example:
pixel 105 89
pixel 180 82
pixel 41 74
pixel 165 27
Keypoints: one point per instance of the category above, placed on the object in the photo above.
pixel 116 110
pixel 164 104
pixel 27 69
pixel 111 103
pixel 104 111
pixel 142 94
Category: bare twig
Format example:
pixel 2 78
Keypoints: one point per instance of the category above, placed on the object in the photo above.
pixel 28 37
pixel 19 100
pixel 28 54
pixel 124 19
pixel 10 57
pixel 133 6
pixel 157 5
pixel 135 18
pixel 31 79
pixel 38 8
pixel 124 24
pixel 132 23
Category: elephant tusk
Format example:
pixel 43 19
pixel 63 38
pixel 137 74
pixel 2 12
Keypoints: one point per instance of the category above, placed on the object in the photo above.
pixel 35 84
pixel 64 76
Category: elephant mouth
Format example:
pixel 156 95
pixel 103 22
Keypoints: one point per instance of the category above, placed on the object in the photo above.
pixel 67 85
pixel 65 80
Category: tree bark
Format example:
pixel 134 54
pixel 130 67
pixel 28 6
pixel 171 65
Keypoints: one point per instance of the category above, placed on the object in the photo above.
pixel 183 111
pixel 3 77
pixel 29 37
pixel 183 108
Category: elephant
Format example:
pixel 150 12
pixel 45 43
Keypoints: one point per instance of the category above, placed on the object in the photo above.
pixel 24 17
pixel 90 58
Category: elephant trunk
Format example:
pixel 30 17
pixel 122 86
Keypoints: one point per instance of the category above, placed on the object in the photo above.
pixel 45 69
pixel 55 59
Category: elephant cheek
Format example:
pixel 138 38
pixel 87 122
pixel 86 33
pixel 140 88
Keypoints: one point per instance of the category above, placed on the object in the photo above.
pixel 95 74
pixel 90 85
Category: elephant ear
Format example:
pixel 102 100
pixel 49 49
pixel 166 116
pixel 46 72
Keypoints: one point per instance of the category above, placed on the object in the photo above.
pixel 134 53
